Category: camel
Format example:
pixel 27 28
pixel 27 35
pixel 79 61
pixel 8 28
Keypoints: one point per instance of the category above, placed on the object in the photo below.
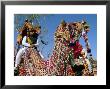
pixel 63 61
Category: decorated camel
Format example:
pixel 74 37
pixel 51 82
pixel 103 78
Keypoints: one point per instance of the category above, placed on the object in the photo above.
pixel 68 58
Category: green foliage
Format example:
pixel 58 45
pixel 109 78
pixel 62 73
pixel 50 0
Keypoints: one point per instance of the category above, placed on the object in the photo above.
pixel 16 72
pixel 71 59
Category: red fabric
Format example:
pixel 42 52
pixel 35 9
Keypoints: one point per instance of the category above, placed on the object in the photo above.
pixel 22 71
pixel 77 49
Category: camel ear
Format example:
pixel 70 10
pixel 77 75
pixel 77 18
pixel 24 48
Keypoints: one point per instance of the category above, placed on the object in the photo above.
pixel 63 23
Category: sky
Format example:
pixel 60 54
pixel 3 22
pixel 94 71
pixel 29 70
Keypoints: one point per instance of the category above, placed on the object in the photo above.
pixel 50 22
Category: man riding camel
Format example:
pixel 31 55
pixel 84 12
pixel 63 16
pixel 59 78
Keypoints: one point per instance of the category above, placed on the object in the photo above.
pixel 29 39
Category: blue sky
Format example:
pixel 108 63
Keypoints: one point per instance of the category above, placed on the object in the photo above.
pixel 49 24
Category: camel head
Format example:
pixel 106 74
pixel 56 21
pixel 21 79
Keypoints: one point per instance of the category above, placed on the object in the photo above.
pixel 66 31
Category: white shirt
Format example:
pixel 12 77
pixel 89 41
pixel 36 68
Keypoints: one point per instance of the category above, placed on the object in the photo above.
pixel 24 43
pixel 27 44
